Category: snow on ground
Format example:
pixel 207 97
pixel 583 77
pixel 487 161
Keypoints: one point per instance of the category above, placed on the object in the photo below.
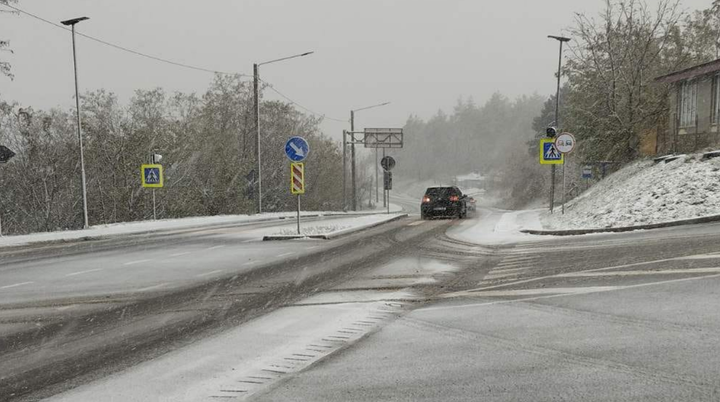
pixel 159 225
pixel 492 226
pixel 643 193
pixel 340 225
pixel 313 230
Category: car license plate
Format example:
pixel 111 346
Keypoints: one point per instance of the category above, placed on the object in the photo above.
pixel 439 209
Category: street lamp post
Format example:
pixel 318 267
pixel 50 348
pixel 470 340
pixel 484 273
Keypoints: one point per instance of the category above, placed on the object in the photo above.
pixel 256 89
pixel 72 23
pixel 352 156
pixel 560 39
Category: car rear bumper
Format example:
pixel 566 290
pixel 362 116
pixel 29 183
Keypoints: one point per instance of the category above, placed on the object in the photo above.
pixel 444 210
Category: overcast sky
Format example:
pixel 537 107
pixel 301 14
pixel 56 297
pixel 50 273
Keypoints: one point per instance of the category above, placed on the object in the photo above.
pixel 421 55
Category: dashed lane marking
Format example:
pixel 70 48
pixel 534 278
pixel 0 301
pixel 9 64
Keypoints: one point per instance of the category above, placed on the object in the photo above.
pixel 152 287
pixel 217 271
pixel 179 254
pixel 506 270
pixel 136 262
pixel 416 223
pixel 214 247
pixel 15 285
pixel 84 272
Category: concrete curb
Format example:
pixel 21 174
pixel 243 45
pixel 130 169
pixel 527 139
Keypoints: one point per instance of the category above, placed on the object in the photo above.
pixel 573 232
pixel 333 235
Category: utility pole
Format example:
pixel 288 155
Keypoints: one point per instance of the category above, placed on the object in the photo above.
pixel 377 182
pixel 352 154
pixel 83 183
pixel 352 160
pixel 385 193
pixel 256 90
pixel 560 39
pixel 256 110
pixel 344 171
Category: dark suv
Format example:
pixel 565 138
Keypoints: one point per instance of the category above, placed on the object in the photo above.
pixel 443 201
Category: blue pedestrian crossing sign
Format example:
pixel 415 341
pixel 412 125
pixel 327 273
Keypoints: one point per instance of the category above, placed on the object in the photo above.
pixel 549 154
pixel 297 149
pixel 152 175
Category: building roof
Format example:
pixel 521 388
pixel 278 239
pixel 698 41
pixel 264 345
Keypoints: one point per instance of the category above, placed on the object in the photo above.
pixel 691 72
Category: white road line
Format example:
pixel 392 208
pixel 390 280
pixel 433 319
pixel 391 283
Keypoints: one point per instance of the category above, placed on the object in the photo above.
pixel 15 285
pixel 85 272
pixel 700 257
pixel 497 271
pixel 544 291
pixel 552 296
pixel 640 273
pixel 513 265
pixel 499 275
pixel 152 287
pixel 418 223
pixel 248 241
pixel 285 254
pixel 179 254
pixel 136 262
pixel 217 271
pixel 215 247
pixel 540 278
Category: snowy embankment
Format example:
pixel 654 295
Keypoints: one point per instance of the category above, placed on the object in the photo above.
pixel 129 228
pixel 339 227
pixel 644 193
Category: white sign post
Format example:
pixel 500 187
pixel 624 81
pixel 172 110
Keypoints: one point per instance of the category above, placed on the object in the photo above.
pixel 564 143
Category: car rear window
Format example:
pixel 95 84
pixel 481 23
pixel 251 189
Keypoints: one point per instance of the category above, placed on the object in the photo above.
pixel 442 192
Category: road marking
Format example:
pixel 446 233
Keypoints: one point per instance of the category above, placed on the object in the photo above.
pixel 700 257
pixel 552 296
pixel 85 272
pixel 499 275
pixel 638 273
pixel 179 254
pixel 247 241
pixel 136 262
pixel 540 278
pixel 285 254
pixel 543 291
pixel 505 270
pixel 152 287
pixel 215 247
pixel 511 265
pixel 16 285
pixel 418 223
pixel 211 272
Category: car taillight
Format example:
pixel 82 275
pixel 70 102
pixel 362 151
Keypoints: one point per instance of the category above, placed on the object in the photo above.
pixel 454 198
pixel 426 199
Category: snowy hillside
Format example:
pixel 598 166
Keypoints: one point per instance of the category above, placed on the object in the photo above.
pixel 644 192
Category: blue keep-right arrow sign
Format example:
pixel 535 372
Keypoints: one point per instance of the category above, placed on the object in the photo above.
pixel 297 149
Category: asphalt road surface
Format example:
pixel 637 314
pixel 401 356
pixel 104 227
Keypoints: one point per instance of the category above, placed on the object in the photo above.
pixel 398 312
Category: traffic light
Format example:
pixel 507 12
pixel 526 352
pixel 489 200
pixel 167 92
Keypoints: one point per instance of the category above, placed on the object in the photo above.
pixel 551 132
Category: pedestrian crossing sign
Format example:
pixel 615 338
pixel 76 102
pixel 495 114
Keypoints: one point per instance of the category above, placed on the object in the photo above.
pixel 549 154
pixel 152 175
